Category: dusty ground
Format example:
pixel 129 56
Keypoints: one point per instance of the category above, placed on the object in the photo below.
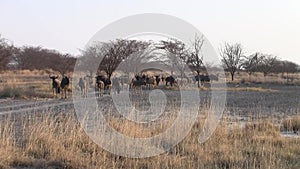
pixel 283 100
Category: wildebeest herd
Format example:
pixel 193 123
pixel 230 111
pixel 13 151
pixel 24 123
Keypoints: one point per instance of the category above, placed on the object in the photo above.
pixel 104 85
pixel 60 86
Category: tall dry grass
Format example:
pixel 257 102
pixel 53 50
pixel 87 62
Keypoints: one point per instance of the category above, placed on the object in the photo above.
pixel 259 78
pixel 26 84
pixel 56 140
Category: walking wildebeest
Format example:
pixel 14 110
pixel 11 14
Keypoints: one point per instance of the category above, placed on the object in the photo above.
pixel 171 80
pixel 205 78
pixel 55 84
pixel 150 82
pixel 84 84
pixel 58 85
pixel 100 86
pixel 103 84
pixel 138 82
pixel 157 79
pixel 64 85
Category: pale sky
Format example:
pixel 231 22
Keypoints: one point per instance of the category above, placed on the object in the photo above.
pixel 268 26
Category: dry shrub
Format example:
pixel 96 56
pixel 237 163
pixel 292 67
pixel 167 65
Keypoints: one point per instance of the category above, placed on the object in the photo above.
pixel 291 124
pixel 28 92
pixel 262 128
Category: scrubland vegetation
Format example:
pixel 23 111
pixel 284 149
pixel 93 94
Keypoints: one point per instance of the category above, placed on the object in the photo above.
pixel 56 140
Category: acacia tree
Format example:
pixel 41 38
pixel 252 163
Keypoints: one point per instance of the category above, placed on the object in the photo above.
pixel 142 59
pixel 176 55
pixel 112 53
pixel 251 62
pixel 232 57
pixel 6 53
pixel 66 64
pixel 267 64
pixel 88 58
pixel 285 67
pixel 195 57
pixel 290 67
pixel 117 51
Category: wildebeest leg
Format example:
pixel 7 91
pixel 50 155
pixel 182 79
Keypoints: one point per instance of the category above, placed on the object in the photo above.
pixel 62 94
pixel 202 83
pixel 86 90
pixel 66 93
pixel 101 91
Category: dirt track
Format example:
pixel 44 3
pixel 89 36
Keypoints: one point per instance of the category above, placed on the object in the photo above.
pixel 286 101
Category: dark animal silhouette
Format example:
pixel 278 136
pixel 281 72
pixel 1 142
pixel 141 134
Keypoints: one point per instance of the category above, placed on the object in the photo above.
pixel 170 80
pixel 138 82
pixel 100 86
pixel 150 82
pixel 64 85
pixel 157 80
pixel 106 82
pixel 60 86
pixel 206 78
pixel 55 84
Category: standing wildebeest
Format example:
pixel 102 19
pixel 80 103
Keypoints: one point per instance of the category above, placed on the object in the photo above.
pixel 64 85
pixel 58 86
pixel 157 80
pixel 206 78
pixel 103 84
pixel 116 85
pixel 202 79
pixel 84 84
pixel 55 84
pixel 100 86
pixel 171 80
pixel 138 82
pixel 150 82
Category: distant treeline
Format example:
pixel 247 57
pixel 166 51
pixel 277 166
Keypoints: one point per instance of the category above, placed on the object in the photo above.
pixel 112 53
pixel 33 58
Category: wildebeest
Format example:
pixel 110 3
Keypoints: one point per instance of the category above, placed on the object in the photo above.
pixel 157 80
pixel 100 86
pixel 116 85
pixel 100 81
pixel 84 83
pixel 170 80
pixel 206 78
pixel 138 82
pixel 55 84
pixel 64 85
pixel 58 85
pixel 150 82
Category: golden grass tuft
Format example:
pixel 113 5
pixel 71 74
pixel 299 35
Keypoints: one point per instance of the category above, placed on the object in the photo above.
pixel 291 124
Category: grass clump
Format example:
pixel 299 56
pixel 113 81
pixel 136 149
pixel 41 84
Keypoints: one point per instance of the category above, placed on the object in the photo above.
pixel 28 92
pixel 291 124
